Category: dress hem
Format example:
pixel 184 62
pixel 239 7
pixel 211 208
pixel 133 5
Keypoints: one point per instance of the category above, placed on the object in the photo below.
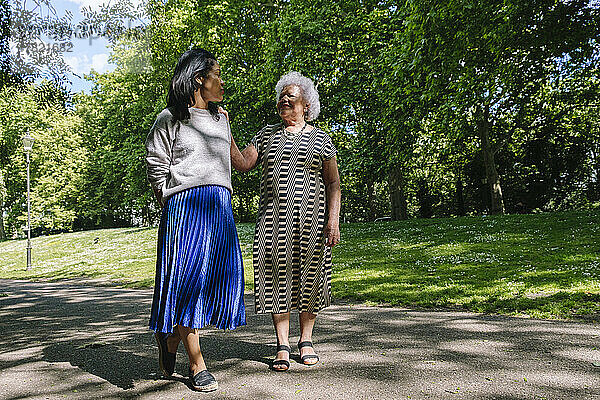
pixel 201 327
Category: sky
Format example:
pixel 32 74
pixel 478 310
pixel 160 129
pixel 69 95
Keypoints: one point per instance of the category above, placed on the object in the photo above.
pixel 86 54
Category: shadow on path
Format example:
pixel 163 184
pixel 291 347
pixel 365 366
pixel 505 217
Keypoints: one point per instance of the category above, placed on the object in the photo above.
pixel 61 338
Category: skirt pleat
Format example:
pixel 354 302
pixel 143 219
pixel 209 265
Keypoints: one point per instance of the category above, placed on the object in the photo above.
pixel 199 274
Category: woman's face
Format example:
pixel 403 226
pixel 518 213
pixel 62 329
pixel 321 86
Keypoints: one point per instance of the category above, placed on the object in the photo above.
pixel 291 102
pixel 212 85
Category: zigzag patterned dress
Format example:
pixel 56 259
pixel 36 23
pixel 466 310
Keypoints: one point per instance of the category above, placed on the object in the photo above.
pixel 292 265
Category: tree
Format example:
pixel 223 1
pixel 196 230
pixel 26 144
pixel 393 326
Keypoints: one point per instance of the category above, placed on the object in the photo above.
pixel 485 61
pixel 56 161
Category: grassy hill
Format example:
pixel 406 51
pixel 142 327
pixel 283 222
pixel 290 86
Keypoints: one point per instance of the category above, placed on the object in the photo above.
pixel 543 265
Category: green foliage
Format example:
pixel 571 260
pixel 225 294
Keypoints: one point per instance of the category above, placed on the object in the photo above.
pixel 118 115
pixel 468 73
pixel 4 45
pixel 407 95
pixel 436 108
pixel 56 160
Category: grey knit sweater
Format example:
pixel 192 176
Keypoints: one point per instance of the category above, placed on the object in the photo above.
pixel 184 154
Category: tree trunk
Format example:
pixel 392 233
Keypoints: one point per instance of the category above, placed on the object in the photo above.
pixel 2 233
pixel 397 196
pixel 241 213
pixel 596 184
pixel 493 180
pixel 146 215
pixel 460 198
pixel 370 208
pixel 424 199
pixel 247 208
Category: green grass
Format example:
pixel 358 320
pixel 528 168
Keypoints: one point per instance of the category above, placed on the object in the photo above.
pixel 544 265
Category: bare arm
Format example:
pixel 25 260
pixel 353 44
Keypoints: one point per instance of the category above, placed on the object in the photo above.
pixel 334 199
pixel 245 160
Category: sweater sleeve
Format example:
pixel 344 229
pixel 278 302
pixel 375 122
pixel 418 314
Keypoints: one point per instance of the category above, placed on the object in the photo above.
pixel 158 154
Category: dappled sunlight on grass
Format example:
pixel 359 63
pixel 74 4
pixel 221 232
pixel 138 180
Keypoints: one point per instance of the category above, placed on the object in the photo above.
pixel 485 264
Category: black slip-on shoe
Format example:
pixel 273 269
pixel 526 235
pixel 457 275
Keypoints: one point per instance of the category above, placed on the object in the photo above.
pixel 204 381
pixel 166 360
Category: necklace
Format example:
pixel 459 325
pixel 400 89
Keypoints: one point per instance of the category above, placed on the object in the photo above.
pixel 292 135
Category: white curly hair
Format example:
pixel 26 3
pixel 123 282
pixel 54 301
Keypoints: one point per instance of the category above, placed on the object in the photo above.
pixel 309 92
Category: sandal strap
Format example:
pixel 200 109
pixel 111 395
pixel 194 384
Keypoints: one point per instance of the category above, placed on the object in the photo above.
pixel 284 347
pixel 305 344
pixel 284 363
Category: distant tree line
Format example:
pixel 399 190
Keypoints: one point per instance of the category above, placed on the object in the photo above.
pixel 436 108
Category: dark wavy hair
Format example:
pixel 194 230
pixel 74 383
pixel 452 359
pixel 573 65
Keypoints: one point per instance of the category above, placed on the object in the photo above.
pixel 193 63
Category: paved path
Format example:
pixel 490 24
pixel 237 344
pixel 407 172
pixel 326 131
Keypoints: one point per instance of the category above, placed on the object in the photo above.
pixel 65 340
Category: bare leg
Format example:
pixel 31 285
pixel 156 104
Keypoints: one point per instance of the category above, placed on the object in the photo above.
pixel 191 341
pixel 281 322
pixel 307 323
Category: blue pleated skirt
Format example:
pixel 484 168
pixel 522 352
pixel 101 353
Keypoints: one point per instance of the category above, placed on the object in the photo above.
pixel 199 273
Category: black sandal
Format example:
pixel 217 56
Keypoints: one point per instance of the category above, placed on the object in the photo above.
pixel 307 356
pixel 286 363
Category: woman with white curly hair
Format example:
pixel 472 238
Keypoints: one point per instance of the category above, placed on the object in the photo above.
pixel 298 216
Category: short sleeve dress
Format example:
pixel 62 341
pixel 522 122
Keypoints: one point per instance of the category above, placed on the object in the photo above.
pixel 292 264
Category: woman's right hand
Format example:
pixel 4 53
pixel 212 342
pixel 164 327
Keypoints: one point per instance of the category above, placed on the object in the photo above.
pixel 158 195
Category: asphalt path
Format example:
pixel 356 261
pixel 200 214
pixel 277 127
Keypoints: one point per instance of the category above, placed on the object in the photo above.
pixel 78 341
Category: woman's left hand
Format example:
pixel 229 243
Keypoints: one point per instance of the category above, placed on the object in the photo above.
pixel 332 233
pixel 222 111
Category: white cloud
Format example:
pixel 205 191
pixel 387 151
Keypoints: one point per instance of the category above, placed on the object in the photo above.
pixel 79 64
pixel 100 62
pixel 83 65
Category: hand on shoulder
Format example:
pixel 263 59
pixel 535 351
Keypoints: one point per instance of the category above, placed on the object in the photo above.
pixel 225 113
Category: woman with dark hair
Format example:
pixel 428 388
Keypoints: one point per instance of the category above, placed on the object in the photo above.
pixel 199 274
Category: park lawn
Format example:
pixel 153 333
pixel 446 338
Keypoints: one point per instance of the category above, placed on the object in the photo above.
pixel 541 265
